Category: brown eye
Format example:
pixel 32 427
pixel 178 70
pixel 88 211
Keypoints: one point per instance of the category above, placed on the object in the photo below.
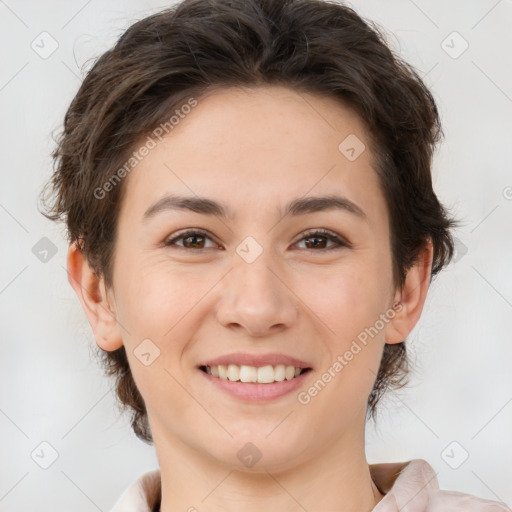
pixel 315 242
pixel 319 239
pixel 192 239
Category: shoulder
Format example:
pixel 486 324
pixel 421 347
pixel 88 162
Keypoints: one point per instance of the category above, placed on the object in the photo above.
pixel 412 486
pixel 452 501
pixel 142 494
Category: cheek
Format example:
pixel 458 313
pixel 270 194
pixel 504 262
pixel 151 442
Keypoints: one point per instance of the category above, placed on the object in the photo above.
pixel 157 297
pixel 166 304
pixel 157 309
pixel 346 299
pixel 349 307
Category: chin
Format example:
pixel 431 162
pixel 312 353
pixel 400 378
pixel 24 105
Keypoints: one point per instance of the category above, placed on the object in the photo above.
pixel 255 453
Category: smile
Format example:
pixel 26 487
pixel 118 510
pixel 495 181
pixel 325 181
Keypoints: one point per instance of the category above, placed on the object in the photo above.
pixel 262 375
pixel 228 379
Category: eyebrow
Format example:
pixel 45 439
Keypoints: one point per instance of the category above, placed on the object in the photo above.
pixel 205 206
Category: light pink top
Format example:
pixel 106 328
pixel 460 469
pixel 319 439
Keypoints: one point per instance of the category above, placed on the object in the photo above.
pixel 408 487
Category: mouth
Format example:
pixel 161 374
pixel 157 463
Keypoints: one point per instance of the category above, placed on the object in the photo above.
pixel 256 384
pixel 256 378
pixel 267 374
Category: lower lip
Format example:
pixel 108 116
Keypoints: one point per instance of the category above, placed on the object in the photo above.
pixel 255 392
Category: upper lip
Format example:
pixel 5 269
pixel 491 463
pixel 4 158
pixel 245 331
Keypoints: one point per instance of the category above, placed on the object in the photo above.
pixel 240 358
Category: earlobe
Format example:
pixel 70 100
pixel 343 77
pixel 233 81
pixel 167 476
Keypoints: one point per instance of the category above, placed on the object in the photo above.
pixel 411 298
pixel 93 296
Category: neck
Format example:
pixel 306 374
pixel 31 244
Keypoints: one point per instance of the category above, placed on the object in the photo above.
pixel 337 478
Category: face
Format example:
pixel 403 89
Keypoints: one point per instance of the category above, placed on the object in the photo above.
pixel 260 285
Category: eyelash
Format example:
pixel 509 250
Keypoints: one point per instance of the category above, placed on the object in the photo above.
pixel 325 233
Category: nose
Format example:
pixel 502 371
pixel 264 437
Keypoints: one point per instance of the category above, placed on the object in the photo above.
pixel 255 298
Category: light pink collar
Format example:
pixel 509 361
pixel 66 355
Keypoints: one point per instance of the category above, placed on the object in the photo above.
pixel 408 487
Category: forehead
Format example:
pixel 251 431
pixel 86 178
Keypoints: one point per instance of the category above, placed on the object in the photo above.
pixel 257 146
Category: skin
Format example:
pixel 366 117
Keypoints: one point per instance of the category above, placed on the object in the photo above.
pixel 255 149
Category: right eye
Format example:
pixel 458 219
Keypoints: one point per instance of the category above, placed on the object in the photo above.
pixel 193 239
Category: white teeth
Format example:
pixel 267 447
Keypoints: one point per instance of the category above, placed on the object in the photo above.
pixel 265 374
pixel 262 375
pixel 248 374
pixel 289 372
pixel 233 372
pixel 223 371
pixel 279 372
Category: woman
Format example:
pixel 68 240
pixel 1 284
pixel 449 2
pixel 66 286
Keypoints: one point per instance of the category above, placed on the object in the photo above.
pixel 253 231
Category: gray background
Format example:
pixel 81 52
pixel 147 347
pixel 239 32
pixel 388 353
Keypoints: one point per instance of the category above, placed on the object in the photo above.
pixel 460 399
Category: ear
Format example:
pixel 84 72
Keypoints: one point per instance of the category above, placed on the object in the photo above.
pixel 93 296
pixel 409 300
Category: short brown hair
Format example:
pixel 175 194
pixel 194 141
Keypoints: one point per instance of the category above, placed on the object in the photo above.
pixel 314 46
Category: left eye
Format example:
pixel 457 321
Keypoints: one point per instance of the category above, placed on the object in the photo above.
pixel 317 236
pixel 196 239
